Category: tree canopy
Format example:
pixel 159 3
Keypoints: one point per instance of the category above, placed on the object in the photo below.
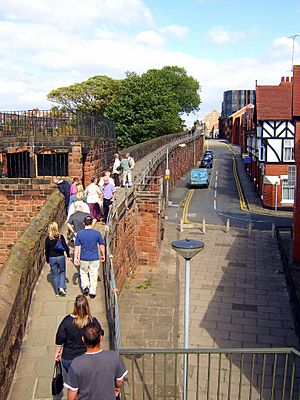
pixel 143 106
pixel 92 95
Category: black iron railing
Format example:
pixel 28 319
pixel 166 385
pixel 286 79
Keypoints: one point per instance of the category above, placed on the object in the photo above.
pixel 36 123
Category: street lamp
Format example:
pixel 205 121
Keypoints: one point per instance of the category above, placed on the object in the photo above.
pixel 187 248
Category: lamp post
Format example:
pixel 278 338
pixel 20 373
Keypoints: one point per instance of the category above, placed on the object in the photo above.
pixel 187 248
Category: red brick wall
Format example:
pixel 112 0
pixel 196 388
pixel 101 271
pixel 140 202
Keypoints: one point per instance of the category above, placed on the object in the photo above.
pixel 269 193
pixel 20 201
pixel 296 218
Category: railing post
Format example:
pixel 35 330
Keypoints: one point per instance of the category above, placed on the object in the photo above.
pixel 203 226
pixel 227 225
pixel 250 226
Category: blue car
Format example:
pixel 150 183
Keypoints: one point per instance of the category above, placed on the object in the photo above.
pixel 199 177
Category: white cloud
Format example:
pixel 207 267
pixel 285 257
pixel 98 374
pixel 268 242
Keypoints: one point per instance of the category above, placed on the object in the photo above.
pixel 150 38
pixel 178 31
pixel 77 14
pixel 219 35
pixel 282 48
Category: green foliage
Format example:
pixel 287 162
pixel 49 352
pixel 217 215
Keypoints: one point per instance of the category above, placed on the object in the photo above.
pixel 150 105
pixel 145 285
pixel 143 106
pixel 92 95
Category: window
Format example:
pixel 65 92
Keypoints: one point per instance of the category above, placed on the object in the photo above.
pixel 54 164
pixel 288 185
pixel 288 150
pixel 18 165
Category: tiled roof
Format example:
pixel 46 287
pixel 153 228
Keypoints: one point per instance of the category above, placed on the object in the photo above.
pixel 274 102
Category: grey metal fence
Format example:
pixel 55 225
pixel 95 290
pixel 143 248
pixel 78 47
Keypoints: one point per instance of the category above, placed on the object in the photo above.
pixel 252 374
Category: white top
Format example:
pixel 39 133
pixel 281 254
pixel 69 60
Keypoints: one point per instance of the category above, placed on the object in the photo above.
pixel 101 182
pixel 92 193
pixel 131 162
pixel 116 165
pixel 83 207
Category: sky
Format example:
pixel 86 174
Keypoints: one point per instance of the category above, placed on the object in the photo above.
pixel 224 44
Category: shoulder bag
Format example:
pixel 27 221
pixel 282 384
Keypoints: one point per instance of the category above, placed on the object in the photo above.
pixel 57 379
pixel 59 247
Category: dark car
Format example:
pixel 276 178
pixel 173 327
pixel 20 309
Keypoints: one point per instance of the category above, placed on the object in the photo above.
pixel 209 153
pixel 206 162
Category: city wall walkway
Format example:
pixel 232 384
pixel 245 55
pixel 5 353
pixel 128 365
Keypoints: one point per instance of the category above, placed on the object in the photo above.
pixel 239 298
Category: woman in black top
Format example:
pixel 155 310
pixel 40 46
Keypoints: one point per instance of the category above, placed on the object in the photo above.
pixel 70 331
pixel 56 258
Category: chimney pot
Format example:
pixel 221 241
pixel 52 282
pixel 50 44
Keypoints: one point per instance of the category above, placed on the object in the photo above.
pixel 282 79
pixel 287 79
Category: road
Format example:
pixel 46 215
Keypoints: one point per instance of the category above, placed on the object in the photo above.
pixel 222 199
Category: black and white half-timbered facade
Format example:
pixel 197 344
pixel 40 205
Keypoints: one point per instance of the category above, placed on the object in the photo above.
pixel 271 146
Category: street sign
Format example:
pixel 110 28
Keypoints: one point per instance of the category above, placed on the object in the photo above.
pixel 167 174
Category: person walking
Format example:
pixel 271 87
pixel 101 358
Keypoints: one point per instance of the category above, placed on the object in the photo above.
pixel 92 193
pixel 108 193
pixel 89 251
pixel 80 203
pixel 117 170
pixel 55 247
pixel 96 374
pixel 69 344
pixel 101 180
pixel 130 161
pixel 64 187
pixel 126 174
pixel 76 221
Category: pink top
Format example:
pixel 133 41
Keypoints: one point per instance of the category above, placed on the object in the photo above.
pixel 73 189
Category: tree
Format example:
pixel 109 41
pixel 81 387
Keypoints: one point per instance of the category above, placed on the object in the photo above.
pixel 92 95
pixel 150 105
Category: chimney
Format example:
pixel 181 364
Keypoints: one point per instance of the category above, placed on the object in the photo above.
pixel 282 79
pixel 287 79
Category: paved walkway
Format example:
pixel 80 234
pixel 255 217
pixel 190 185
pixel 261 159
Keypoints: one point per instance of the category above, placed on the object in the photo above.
pixel 238 292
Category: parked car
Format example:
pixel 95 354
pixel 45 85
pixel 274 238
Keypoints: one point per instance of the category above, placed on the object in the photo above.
pixel 209 153
pixel 199 177
pixel 207 162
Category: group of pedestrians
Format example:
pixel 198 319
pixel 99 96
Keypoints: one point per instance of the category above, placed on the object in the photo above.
pixel 92 373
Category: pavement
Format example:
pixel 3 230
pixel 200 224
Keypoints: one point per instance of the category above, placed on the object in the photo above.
pixel 238 298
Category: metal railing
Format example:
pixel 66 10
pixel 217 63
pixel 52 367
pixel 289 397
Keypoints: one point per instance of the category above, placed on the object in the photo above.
pixel 264 373
pixel 37 123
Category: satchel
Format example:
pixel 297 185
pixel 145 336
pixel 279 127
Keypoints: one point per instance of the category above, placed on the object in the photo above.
pixel 59 247
pixel 57 380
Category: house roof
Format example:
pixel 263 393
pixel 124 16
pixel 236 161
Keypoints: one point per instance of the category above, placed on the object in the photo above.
pixel 274 102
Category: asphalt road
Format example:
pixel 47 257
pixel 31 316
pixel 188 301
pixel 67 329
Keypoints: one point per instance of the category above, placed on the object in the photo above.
pixel 220 201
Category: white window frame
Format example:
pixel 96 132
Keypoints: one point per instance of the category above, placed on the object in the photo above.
pixel 288 150
pixel 288 185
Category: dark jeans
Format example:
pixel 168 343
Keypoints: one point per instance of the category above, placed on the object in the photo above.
pixel 66 364
pixel 106 204
pixel 58 272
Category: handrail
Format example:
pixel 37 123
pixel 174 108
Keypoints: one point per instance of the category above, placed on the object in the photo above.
pixel 116 211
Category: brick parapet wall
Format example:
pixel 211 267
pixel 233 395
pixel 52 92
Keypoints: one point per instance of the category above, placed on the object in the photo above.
pixel 17 281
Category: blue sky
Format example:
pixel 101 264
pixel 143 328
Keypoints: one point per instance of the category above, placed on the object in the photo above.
pixel 225 45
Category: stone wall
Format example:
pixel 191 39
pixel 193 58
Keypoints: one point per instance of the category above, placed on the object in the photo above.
pixel 20 201
pixel 136 232
pixel 17 281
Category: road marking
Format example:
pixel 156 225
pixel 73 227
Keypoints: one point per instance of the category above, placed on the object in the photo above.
pixel 216 185
pixel 215 204
pixel 215 193
pixel 186 206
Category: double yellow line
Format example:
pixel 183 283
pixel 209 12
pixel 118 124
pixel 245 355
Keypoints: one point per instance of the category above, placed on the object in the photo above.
pixel 243 202
pixel 187 201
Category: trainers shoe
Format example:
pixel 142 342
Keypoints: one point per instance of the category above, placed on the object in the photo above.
pixel 62 292
pixel 92 296
pixel 86 291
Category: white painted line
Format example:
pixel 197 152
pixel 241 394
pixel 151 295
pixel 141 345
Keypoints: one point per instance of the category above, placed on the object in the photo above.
pixel 215 193
pixel 215 204
pixel 34 388
pixel 216 185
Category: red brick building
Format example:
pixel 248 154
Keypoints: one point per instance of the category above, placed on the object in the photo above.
pixel 271 145
pixel 296 120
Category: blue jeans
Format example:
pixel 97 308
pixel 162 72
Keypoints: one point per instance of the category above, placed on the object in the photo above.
pixel 66 364
pixel 58 272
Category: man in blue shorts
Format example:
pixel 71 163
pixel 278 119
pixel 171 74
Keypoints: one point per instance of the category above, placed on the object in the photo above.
pixel 89 251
